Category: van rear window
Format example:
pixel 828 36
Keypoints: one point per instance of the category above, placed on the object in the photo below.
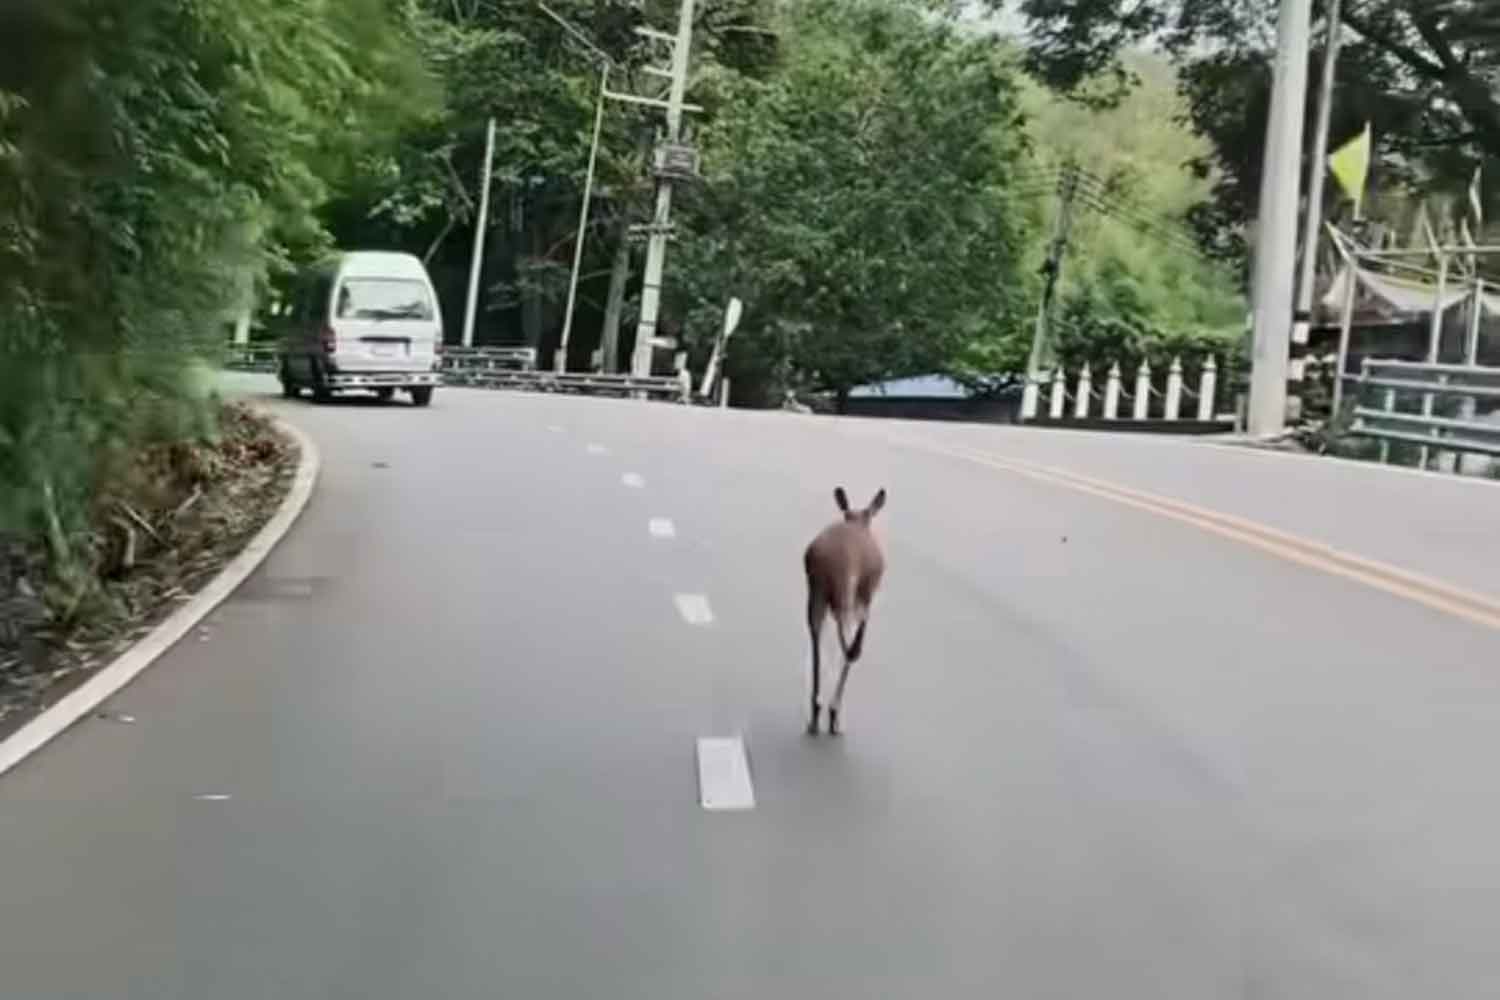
pixel 383 298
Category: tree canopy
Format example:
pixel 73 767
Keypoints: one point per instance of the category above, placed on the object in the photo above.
pixel 1135 284
pixel 856 199
pixel 1426 73
pixel 157 159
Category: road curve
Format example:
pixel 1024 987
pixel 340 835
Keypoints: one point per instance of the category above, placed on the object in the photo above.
pixel 442 743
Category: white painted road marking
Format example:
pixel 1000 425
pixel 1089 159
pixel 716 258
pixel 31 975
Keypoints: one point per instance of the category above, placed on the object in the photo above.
pixel 554 429
pixel 212 797
pixel 597 449
pixel 633 480
pixel 661 527
pixel 694 609
pixel 724 775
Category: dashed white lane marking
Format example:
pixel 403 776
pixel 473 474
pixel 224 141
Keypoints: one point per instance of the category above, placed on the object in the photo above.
pixel 724 775
pixel 554 429
pixel 597 449
pixel 633 480
pixel 694 609
pixel 212 797
pixel 662 527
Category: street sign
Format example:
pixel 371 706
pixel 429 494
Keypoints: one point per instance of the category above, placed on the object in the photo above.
pixel 732 314
pixel 732 317
pixel 641 233
pixel 676 160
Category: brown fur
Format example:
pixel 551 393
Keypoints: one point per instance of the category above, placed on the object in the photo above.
pixel 844 566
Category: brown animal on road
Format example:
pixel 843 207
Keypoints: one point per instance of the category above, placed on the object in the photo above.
pixel 844 565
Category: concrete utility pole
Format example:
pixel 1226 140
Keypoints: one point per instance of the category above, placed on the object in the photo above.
pixel 656 247
pixel 1276 230
pixel 476 260
pixel 1052 271
pixel 1317 174
pixel 583 221
pixel 560 361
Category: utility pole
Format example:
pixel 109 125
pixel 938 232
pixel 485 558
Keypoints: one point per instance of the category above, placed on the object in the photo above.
pixel 1317 172
pixel 656 247
pixel 1276 230
pixel 476 260
pixel 1051 272
pixel 561 363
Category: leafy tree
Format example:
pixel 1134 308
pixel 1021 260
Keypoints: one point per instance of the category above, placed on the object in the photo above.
pixel 1135 284
pixel 511 61
pixel 155 159
pixel 855 199
pixel 1424 71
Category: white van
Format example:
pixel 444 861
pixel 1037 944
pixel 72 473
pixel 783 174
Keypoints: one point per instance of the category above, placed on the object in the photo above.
pixel 368 321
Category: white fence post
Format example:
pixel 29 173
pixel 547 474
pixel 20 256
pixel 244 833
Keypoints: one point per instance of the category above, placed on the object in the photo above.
pixel 1142 391
pixel 1085 390
pixel 1174 389
pixel 1059 394
pixel 1112 393
pixel 1208 383
pixel 1031 396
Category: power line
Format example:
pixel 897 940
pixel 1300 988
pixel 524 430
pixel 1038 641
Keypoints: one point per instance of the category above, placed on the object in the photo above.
pixel 1176 241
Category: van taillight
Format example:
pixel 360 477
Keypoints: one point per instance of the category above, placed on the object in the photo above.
pixel 329 340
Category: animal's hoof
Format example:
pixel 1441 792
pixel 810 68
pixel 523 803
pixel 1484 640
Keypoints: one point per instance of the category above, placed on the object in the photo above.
pixel 833 724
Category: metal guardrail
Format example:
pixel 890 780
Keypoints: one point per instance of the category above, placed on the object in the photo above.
pixel 667 387
pixel 461 359
pixel 500 368
pixel 251 359
pixel 1467 383
pixel 515 368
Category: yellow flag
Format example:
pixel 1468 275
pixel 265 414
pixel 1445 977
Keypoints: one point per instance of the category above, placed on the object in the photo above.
pixel 1350 165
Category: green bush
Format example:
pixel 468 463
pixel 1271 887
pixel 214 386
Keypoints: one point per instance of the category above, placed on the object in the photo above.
pixel 157 159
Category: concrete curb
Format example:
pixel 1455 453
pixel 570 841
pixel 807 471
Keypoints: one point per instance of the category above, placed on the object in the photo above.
pixel 86 697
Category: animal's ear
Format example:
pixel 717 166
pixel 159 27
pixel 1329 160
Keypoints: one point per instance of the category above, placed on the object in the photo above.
pixel 877 504
pixel 841 498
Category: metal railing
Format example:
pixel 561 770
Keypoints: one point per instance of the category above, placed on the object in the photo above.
pixel 1434 385
pixel 460 360
pixel 593 384
pixel 501 368
pixel 246 358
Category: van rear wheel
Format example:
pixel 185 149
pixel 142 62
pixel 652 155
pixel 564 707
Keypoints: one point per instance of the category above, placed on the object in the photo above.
pixel 421 395
pixel 384 393
pixel 321 392
pixel 289 386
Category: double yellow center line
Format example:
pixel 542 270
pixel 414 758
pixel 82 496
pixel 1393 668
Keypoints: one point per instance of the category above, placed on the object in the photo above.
pixel 1469 605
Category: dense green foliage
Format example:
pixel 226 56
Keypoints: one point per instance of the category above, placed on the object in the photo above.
pixel 156 159
pixel 857 201
pixel 1426 73
pixel 1134 285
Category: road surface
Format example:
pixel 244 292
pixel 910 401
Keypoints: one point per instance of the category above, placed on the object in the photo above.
pixel 443 743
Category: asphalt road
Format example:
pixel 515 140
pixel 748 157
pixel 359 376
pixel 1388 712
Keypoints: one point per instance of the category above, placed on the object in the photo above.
pixel 442 744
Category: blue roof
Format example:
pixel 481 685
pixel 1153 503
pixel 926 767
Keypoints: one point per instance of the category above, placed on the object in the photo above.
pixel 916 387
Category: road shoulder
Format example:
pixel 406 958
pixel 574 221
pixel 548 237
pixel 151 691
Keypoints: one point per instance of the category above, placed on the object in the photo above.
pixel 56 719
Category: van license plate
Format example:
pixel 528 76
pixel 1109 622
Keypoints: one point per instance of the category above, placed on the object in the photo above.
pixel 385 350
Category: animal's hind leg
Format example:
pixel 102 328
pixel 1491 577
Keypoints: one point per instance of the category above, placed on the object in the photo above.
pixel 817 610
pixel 858 645
pixel 851 653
